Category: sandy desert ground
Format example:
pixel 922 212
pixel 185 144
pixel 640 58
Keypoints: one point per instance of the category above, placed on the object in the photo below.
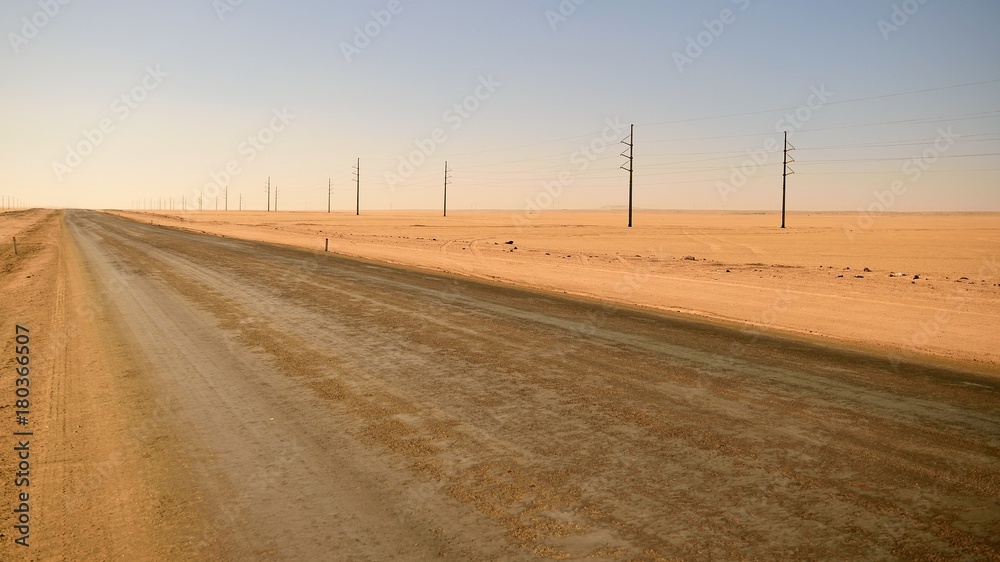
pixel 206 397
pixel 827 275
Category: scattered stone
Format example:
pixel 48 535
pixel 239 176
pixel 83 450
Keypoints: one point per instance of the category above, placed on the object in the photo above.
pixel 859 276
pixel 727 271
pixel 897 275
pixel 509 242
pixel 840 277
pixel 690 258
pixel 847 269
pixel 867 270
pixel 916 277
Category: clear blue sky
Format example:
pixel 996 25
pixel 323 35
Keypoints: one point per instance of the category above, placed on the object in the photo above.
pixel 555 84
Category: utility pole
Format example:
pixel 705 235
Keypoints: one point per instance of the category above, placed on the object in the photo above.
pixel 357 173
pixel 276 199
pixel 241 201
pixel 446 170
pixel 329 195
pixel 226 195
pixel 784 177
pixel 269 194
pixel 201 200
pixel 629 153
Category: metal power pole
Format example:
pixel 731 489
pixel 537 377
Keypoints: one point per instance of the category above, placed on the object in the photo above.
pixel 268 194
pixel 357 172
pixel 329 195
pixel 241 201
pixel 446 170
pixel 784 177
pixel 629 153
pixel 226 193
pixel 276 199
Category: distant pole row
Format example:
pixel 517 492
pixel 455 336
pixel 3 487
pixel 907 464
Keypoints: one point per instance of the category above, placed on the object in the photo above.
pixel 629 166
pixel 9 202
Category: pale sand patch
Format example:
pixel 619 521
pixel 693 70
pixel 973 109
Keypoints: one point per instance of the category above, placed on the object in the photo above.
pixel 746 269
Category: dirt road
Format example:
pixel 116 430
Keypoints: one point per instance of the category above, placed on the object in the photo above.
pixel 262 402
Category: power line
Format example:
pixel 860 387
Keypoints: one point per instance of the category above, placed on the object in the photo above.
pixel 852 100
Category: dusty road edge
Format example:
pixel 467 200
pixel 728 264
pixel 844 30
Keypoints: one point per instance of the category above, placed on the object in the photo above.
pixel 104 478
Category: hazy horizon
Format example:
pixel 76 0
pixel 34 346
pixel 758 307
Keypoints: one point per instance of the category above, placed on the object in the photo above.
pixel 889 105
